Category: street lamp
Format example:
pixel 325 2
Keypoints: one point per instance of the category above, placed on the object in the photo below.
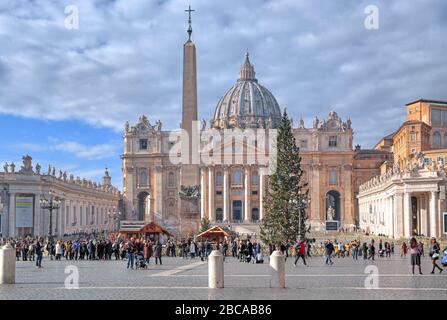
pixel 53 203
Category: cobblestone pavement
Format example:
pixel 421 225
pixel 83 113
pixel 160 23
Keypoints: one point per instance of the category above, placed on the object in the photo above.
pixel 188 279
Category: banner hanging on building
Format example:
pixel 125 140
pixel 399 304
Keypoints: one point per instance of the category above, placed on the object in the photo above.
pixel 24 212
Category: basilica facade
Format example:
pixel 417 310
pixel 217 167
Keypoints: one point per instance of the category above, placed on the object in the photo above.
pixel 175 179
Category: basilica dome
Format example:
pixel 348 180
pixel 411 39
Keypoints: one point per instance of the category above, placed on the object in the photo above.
pixel 247 104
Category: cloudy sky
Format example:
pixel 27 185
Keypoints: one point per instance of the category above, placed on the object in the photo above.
pixel 66 93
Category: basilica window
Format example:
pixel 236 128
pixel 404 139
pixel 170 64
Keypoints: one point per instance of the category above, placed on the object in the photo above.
pixel 332 141
pixel 143 144
pixel 219 178
pixel 413 136
pixel 303 144
pixel 237 177
pixel 254 179
pixel 436 139
pixel 171 179
pixel 444 142
pixel 333 177
pixel 143 178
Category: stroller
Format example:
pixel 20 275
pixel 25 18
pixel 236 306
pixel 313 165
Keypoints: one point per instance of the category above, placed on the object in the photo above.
pixel 247 256
pixel 141 262
pixel 444 258
pixel 259 258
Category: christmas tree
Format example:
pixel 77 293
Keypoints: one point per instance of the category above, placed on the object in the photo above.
pixel 204 224
pixel 286 200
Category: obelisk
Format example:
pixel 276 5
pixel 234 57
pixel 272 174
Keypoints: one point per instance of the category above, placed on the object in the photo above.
pixel 189 168
pixel 189 204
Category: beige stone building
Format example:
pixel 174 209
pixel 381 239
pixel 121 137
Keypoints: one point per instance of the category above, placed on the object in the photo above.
pixel 219 170
pixel 84 205
pixel 408 197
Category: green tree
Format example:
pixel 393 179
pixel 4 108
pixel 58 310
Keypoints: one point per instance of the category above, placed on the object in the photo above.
pixel 286 200
pixel 205 224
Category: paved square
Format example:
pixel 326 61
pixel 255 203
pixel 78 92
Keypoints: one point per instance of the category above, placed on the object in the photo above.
pixel 188 279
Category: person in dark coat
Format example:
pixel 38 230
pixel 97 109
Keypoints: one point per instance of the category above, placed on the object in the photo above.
pixel 39 252
pixel 158 249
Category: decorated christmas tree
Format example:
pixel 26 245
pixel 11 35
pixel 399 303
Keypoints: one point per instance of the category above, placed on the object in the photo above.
pixel 286 200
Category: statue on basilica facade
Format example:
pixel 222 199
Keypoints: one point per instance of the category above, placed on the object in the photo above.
pixel 349 123
pixel 203 125
pixel 26 167
pixel 12 167
pixel 301 125
pixel 53 172
pixel 126 127
pixel 157 126
pixel 6 167
pixel 330 214
pixel 316 122
pixel 38 167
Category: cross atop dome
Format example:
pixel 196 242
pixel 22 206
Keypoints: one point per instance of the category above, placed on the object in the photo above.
pixel 247 71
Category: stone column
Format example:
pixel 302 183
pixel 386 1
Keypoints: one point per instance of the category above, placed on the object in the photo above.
pixel 12 215
pixel 407 215
pixel 211 211
pixel 159 193
pixel 226 198
pixel 423 214
pixel 261 193
pixel 397 215
pixel 247 189
pixel 434 214
pixel 202 193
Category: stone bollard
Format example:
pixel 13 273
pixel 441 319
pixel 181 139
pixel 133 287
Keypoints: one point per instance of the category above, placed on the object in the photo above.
pixel 215 270
pixel 7 264
pixel 277 270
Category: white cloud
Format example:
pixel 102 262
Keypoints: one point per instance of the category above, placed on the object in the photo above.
pixel 125 59
pixel 100 151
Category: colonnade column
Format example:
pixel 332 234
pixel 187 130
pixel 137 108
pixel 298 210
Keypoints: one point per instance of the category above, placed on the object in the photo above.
pixel 202 194
pixel 434 214
pixel 261 193
pixel 407 215
pixel 226 202
pixel 247 206
pixel 211 211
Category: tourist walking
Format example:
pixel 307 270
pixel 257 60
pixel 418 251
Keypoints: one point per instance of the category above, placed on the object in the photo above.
pixel 300 250
pixel 158 249
pixel 39 253
pixel 58 250
pixel 403 253
pixel 415 255
pixel 434 254
pixel 130 251
pixel 329 248
pixel 355 250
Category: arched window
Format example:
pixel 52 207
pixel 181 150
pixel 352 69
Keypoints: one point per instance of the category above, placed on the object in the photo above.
pixel 254 178
pixel 219 215
pixel 219 178
pixel 171 179
pixel 445 140
pixel 143 181
pixel 436 139
pixel 237 177
pixel 255 214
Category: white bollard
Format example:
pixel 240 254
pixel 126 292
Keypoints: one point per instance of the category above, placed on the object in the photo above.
pixel 215 270
pixel 7 265
pixel 277 270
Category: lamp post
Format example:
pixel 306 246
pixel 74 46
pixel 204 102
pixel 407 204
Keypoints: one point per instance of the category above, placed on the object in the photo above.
pixel 53 203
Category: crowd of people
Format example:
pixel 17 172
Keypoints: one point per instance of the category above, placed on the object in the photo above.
pixel 135 250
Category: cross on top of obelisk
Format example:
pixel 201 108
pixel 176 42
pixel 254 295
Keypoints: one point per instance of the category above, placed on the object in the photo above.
pixel 189 21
